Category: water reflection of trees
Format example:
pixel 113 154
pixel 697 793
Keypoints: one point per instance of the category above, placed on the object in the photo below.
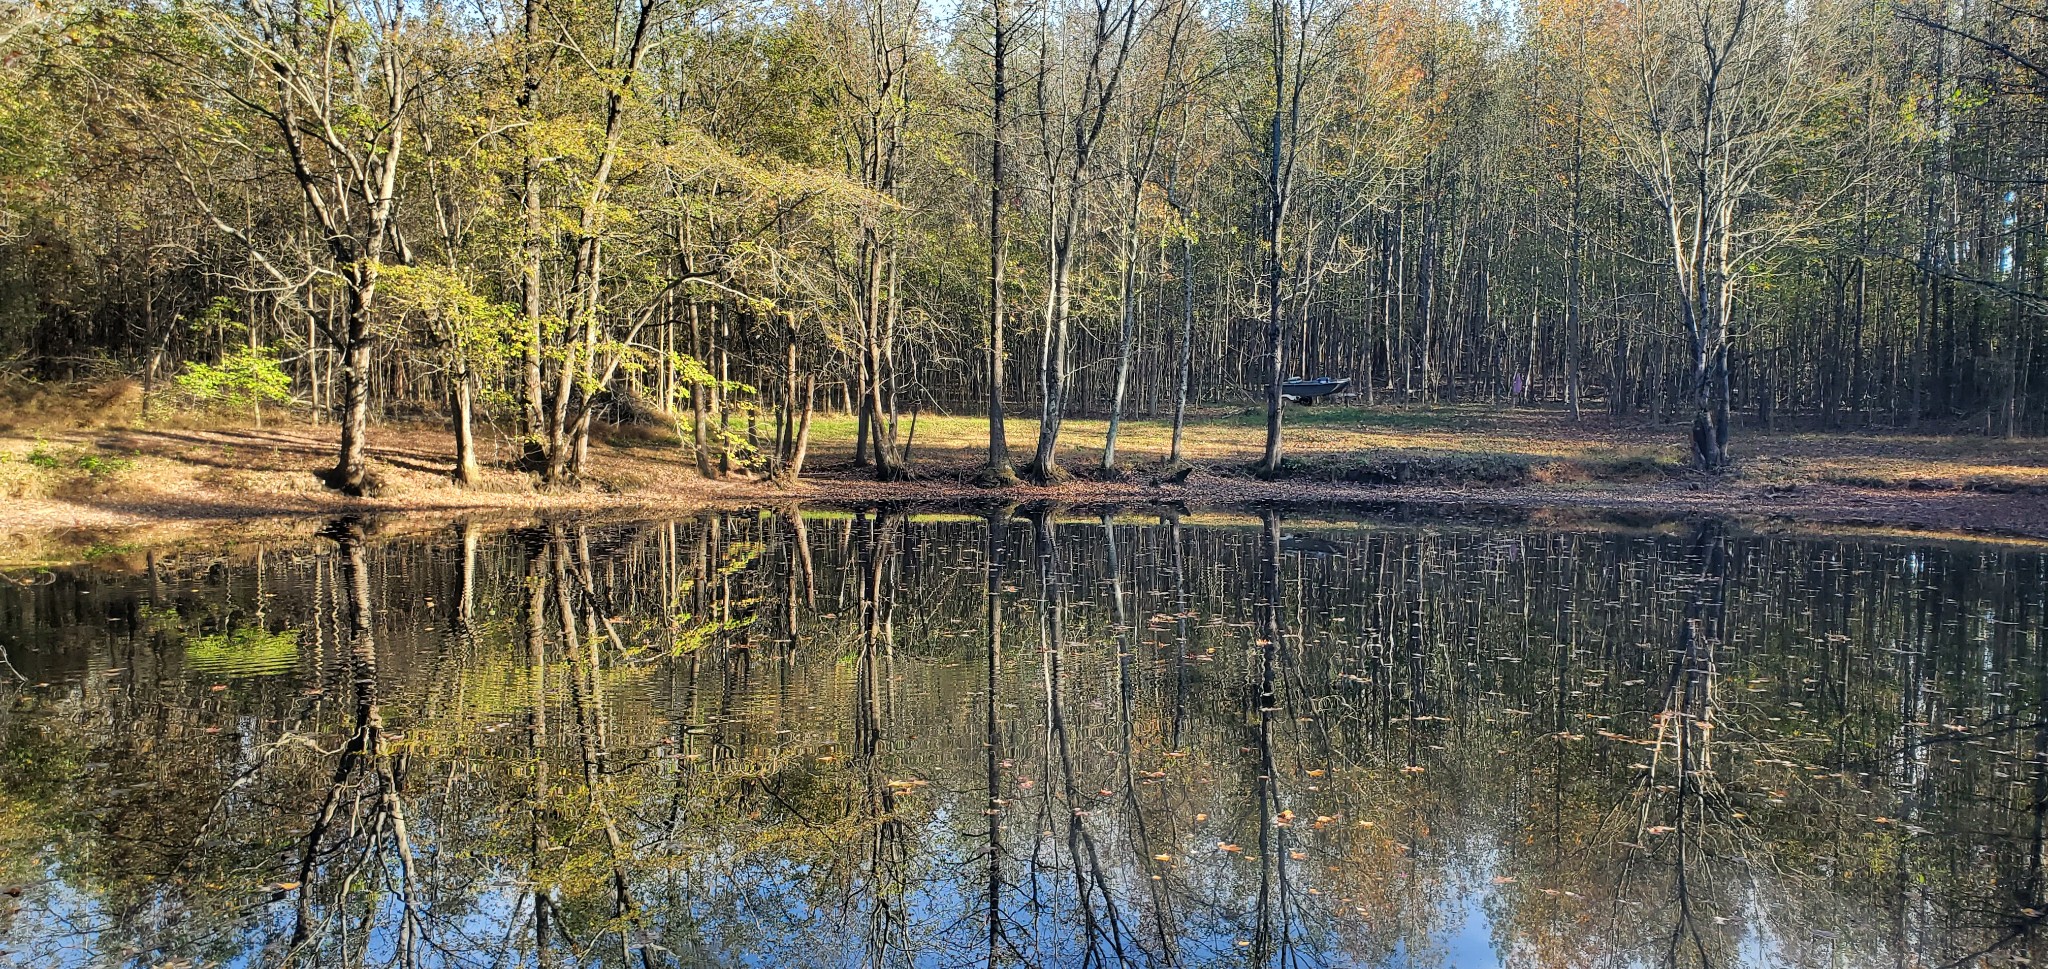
pixel 883 739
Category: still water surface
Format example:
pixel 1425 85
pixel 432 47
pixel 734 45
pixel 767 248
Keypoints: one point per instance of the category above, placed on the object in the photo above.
pixel 880 739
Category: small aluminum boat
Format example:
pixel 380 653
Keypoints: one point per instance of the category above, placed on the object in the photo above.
pixel 1307 390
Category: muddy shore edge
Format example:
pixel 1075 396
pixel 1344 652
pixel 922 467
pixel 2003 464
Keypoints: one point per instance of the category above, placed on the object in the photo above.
pixel 50 531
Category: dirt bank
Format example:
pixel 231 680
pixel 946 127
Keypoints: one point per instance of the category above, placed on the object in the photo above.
pixel 66 491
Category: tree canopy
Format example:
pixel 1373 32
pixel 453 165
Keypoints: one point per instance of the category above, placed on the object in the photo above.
pixel 551 215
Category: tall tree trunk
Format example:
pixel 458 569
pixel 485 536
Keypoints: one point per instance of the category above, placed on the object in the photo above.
pixel 803 431
pixel 700 394
pixel 1276 203
pixel 1187 327
pixel 864 422
pixel 533 407
pixel 999 470
pixel 1574 283
pixel 1052 370
pixel 467 471
pixel 1127 283
pixel 351 469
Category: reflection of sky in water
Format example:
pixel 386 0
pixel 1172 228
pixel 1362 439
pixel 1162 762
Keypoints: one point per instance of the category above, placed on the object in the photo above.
pixel 1469 943
pixel 1460 725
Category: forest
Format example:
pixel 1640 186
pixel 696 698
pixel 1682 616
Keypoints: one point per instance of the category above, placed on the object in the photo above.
pixel 534 220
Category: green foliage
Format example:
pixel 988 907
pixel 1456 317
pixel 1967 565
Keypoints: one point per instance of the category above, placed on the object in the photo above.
pixel 691 372
pixel 471 329
pixel 218 318
pixel 471 333
pixel 245 377
pixel 98 466
pixel 40 457
pixel 100 550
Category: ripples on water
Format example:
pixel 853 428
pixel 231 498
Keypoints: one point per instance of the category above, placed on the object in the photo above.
pixel 764 740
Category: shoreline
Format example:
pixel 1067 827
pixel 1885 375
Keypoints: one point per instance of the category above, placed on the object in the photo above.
pixel 75 494
pixel 52 532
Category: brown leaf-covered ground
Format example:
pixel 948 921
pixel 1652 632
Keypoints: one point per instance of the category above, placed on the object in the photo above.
pixel 69 481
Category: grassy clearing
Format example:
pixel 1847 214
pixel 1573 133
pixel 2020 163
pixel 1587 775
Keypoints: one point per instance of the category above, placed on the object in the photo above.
pixel 43 469
pixel 78 442
pixel 99 467
pixel 1239 436
pixel 1478 445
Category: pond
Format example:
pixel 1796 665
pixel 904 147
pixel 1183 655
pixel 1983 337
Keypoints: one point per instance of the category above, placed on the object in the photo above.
pixel 879 738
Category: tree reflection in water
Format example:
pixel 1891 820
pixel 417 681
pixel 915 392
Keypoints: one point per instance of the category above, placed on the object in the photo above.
pixel 1030 738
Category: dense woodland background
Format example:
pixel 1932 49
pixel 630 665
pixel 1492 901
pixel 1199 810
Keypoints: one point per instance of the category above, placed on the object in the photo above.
pixel 529 218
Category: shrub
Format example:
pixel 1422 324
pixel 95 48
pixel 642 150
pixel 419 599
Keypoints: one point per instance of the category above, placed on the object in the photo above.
pixel 245 377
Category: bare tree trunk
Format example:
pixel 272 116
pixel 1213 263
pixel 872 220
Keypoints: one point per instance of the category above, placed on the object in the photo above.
pixel 1187 324
pixel 999 471
pixel 1127 334
pixel 467 471
pixel 351 470
pixel 803 430
pixel 533 409
pixel 1575 287
pixel 1276 203
pixel 700 411
pixel 1052 370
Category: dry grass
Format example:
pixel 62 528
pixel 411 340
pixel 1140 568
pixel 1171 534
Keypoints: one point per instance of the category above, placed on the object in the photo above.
pixel 96 471
pixel 98 479
pixel 1486 445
